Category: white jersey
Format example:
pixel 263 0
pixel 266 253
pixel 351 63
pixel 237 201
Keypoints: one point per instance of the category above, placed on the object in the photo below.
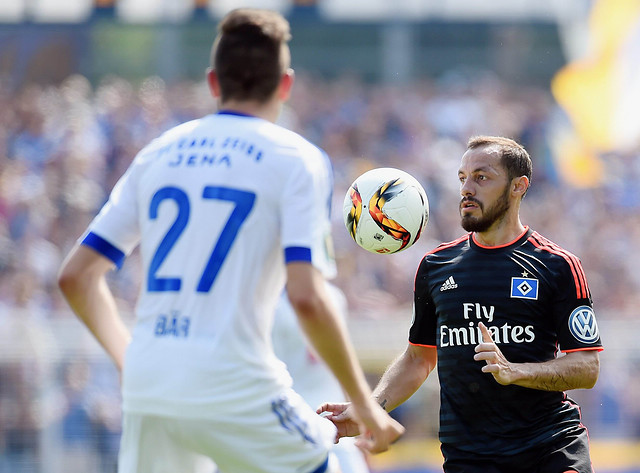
pixel 218 206
pixel 312 378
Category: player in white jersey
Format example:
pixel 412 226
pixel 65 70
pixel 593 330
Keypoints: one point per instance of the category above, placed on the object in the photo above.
pixel 225 210
pixel 312 379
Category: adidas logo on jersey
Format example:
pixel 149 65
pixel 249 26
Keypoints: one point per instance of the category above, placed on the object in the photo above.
pixel 450 283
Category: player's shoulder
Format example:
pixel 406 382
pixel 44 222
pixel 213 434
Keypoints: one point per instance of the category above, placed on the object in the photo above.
pixel 182 130
pixel 443 253
pixel 550 250
pixel 560 262
pixel 294 152
pixel 449 246
pixel 288 142
pixel 273 137
pixel 162 143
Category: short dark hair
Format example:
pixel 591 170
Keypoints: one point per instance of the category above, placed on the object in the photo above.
pixel 513 156
pixel 250 54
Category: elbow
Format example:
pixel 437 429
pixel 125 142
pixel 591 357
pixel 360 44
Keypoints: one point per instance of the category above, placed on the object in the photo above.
pixel 422 361
pixel 66 282
pixel 590 382
pixel 305 304
pixel 69 281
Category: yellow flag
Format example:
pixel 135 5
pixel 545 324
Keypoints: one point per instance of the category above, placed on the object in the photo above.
pixel 575 163
pixel 601 93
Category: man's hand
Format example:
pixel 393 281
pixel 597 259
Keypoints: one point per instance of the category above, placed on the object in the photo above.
pixel 341 414
pixel 575 370
pixel 377 430
pixel 497 364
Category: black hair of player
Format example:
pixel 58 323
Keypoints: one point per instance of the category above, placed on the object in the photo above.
pixel 250 54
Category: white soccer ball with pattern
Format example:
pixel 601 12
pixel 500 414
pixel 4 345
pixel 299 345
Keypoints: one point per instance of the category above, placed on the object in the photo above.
pixel 386 210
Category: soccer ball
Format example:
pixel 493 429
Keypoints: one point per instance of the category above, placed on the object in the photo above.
pixel 385 210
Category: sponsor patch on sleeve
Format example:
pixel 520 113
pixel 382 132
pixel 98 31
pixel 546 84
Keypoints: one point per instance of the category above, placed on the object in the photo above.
pixel 582 324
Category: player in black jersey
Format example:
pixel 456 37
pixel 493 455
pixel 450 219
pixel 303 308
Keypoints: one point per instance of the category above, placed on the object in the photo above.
pixel 493 309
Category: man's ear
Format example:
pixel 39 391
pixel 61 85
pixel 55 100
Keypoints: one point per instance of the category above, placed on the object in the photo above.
pixel 286 84
pixel 520 185
pixel 214 84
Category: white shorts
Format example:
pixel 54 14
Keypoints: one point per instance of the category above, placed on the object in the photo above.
pixel 283 435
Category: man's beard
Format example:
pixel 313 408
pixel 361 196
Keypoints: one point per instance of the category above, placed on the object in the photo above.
pixel 494 213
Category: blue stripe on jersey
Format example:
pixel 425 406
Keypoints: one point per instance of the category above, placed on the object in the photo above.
pixel 322 468
pixel 105 248
pixel 297 253
pixel 233 112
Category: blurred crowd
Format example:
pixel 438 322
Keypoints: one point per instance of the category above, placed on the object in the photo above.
pixel 63 147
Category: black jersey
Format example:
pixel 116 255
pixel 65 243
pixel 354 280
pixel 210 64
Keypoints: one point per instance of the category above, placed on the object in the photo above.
pixel 534 298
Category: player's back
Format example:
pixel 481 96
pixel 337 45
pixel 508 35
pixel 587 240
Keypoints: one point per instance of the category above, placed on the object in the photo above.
pixel 217 200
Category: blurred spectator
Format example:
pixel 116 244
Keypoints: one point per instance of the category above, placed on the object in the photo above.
pixel 27 390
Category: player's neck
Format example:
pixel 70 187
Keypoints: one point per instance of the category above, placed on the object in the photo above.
pixel 501 233
pixel 267 111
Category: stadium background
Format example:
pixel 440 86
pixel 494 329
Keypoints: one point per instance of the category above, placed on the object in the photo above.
pixel 84 84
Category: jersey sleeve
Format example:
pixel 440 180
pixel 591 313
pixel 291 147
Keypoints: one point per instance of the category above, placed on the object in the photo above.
pixel 115 231
pixel 424 325
pixel 574 316
pixel 305 204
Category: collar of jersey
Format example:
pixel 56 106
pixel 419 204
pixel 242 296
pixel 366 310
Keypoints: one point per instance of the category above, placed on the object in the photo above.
pixel 517 242
pixel 233 112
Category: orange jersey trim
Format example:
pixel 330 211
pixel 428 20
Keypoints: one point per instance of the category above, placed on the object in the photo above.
pixel 443 246
pixel 421 345
pixel 579 278
pixel 583 349
pixel 526 229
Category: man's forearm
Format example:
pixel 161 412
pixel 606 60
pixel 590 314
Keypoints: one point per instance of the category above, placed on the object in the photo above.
pixel 577 370
pixel 83 284
pixel 96 308
pixel 403 378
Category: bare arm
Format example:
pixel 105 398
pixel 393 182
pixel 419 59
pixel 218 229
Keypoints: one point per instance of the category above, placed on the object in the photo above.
pixel 84 286
pixel 324 328
pixel 575 370
pixel 401 379
pixel 405 375
pixel 321 323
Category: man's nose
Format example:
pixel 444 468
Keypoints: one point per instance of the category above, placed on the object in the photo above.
pixel 466 188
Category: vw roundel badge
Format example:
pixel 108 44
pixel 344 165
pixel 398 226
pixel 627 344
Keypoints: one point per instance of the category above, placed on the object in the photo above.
pixel 582 324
